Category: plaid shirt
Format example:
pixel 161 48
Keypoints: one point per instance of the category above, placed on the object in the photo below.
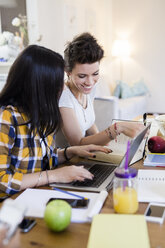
pixel 19 152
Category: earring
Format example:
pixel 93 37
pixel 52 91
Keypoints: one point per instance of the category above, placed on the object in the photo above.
pixel 69 78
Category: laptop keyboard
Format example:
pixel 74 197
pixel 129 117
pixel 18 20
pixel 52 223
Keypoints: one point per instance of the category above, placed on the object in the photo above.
pixel 100 172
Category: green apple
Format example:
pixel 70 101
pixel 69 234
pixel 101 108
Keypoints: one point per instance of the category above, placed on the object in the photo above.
pixel 57 215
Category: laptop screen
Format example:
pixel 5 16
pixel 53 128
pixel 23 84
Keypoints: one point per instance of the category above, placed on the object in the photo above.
pixel 135 143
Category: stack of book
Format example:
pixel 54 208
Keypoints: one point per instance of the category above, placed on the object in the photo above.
pixel 155 159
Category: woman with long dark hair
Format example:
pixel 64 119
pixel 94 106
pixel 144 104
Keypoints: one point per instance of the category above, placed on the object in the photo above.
pixel 29 119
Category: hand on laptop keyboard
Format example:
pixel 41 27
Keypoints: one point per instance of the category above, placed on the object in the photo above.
pixel 100 172
pixel 71 173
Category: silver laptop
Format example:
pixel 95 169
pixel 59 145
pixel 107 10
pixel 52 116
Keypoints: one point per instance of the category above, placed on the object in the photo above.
pixel 103 172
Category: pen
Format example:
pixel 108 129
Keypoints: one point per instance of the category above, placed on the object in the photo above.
pixel 145 119
pixel 69 193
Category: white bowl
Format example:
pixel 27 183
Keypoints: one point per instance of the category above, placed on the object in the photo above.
pixel 160 119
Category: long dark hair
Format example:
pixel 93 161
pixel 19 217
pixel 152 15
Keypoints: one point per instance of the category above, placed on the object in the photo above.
pixel 34 85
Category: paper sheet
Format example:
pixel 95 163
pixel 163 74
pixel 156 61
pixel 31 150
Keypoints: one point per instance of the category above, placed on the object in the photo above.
pixel 151 186
pixel 36 199
pixel 118 230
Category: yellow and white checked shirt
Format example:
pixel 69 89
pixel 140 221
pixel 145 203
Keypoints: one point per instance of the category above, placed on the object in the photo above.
pixel 19 152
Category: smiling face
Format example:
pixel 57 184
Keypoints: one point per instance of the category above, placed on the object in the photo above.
pixel 83 77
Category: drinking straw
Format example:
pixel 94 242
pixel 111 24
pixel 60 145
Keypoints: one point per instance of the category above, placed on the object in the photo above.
pixel 126 162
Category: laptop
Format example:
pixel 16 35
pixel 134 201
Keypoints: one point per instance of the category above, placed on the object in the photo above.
pixel 103 172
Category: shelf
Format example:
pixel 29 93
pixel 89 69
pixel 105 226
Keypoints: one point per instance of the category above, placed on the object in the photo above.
pixel 6 63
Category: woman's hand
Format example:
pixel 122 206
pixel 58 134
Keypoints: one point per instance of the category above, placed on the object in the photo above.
pixel 86 150
pixel 68 174
pixel 129 128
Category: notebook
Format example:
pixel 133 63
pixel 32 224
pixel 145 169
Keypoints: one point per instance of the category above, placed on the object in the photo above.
pixel 35 201
pixel 151 186
pixel 155 159
pixel 118 230
pixel 103 172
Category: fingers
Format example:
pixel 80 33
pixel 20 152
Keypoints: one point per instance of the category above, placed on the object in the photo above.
pixel 83 174
pixel 99 148
pixel 105 149
pixel 82 178
pixel 88 150
pixel 87 174
pixel 71 173
pixel 91 154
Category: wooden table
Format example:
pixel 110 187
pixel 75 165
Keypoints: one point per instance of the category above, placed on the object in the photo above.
pixel 76 235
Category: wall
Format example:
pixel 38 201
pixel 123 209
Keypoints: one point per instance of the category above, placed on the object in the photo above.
pixel 58 21
pixel 144 23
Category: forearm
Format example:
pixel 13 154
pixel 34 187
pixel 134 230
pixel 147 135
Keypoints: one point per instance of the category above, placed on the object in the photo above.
pixel 69 153
pixel 64 174
pixel 93 130
pixel 20 181
pixel 32 180
pixel 101 138
pixel 41 178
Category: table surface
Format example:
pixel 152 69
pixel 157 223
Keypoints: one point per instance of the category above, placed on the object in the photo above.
pixel 76 235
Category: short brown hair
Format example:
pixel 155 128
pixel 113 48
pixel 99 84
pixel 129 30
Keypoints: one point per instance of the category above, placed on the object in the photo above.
pixel 83 49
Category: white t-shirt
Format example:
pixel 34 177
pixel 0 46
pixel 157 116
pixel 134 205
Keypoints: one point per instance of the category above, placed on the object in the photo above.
pixel 85 117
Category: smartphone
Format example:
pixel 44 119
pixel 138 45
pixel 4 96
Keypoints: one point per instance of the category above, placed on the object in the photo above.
pixel 75 203
pixel 27 224
pixel 155 212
